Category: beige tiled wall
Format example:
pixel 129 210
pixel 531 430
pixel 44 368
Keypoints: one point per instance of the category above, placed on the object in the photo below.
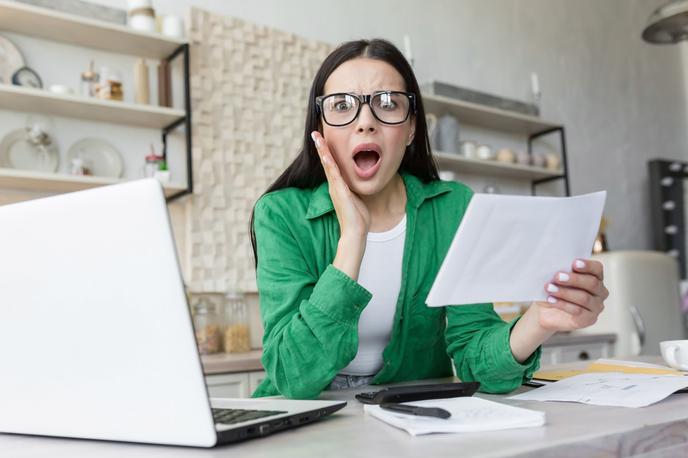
pixel 249 86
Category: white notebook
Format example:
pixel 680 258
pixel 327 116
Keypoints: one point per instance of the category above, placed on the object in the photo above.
pixel 468 414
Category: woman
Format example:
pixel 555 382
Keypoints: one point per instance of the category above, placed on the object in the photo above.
pixel 350 237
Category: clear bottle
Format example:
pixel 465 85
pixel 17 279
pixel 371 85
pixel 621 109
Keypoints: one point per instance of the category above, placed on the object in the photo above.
pixel 89 81
pixel 207 325
pixel 236 336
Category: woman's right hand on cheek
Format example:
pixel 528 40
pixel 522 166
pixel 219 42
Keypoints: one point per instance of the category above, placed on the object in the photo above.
pixel 353 216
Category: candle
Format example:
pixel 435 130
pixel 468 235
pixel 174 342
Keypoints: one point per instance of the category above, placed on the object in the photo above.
pixel 535 83
pixel 407 48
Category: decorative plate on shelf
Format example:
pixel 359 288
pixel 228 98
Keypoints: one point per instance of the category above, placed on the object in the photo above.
pixel 11 60
pixel 99 157
pixel 16 152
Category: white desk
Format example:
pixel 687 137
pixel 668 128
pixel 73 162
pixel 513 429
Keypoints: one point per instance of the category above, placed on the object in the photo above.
pixel 572 430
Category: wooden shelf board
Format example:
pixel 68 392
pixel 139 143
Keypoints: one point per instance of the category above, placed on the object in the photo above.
pixel 460 164
pixel 23 180
pixel 67 28
pixel 18 98
pixel 481 115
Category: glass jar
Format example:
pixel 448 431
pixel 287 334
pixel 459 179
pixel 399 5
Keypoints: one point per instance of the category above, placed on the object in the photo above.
pixel 207 322
pixel 109 85
pixel 236 336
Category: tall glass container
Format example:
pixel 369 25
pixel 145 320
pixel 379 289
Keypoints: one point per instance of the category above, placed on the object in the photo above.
pixel 207 322
pixel 236 336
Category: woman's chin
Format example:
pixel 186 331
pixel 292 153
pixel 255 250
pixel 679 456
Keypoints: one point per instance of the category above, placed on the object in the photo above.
pixel 369 187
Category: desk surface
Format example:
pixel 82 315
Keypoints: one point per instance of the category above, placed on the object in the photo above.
pixel 572 430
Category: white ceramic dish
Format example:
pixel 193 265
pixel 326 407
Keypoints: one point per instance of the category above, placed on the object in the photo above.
pixel 99 156
pixel 11 60
pixel 16 152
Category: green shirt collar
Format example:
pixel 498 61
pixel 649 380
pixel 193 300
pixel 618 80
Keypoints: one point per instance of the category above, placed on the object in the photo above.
pixel 416 193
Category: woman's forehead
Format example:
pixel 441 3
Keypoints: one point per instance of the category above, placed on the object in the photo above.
pixel 363 76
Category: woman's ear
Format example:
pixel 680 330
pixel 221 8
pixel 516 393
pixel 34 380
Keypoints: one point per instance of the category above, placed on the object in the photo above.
pixel 412 131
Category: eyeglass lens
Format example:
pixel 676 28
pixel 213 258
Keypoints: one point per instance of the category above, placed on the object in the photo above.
pixel 388 107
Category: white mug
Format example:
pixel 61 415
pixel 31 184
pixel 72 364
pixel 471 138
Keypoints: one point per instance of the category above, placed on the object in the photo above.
pixel 468 149
pixel 172 26
pixel 675 353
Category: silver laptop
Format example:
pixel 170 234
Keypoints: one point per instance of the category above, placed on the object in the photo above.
pixel 96 339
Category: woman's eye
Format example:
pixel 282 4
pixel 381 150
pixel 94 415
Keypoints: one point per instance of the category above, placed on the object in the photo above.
pixel 386 103
pixel 342 106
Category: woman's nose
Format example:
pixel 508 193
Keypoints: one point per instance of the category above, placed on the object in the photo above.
pixel 366 122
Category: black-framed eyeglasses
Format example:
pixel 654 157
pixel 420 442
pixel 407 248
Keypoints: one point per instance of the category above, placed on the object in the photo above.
pixel 388 107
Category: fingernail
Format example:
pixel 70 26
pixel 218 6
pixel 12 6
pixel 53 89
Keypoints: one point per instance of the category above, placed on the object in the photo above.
pixel 563 276
pixel 551 300
pixel 325 158
pixel 552 288
pixel 579 264
pixel 316 140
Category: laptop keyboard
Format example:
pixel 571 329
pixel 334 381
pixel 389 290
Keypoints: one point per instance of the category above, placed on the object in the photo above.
pixel 233 416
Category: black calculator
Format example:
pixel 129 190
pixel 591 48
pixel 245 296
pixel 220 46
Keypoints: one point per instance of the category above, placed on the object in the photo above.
pixel 408 393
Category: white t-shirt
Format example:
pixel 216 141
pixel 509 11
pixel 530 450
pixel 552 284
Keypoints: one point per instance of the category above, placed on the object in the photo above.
pixel 380 274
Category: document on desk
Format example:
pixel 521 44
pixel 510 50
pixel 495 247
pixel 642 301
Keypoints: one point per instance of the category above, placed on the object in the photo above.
pixel 468 414
pixel 508 247
pixel 608 389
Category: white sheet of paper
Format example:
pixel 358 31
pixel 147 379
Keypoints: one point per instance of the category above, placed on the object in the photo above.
pixel 468 414
pixel 608 389
pixel 508 247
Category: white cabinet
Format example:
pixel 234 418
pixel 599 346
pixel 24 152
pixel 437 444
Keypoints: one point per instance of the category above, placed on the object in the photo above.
pixel 234 385
pixel 557 354
pixel 254 379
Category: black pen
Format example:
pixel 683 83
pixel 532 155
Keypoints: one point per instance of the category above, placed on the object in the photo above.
pixel 415 410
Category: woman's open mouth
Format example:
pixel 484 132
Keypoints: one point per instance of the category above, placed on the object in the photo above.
pixel 367 158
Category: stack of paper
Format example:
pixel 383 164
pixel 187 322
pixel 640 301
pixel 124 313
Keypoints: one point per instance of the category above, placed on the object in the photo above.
pixel 608 389
pixel 606 365
pixel 468 414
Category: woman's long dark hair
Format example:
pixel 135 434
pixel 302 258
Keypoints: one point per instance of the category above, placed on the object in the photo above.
pixel 306 171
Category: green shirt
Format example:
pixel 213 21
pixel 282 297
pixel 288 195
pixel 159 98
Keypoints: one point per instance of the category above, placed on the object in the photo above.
pixel 310 309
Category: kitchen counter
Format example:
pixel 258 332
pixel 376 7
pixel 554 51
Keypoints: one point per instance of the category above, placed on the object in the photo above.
pixel 224 363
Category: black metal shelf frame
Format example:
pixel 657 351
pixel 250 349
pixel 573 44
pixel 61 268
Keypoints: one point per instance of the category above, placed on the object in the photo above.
pixel 186 120
pixel 668 208
pixel 564 162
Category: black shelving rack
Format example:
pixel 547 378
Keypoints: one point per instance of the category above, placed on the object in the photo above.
pixel 667 206
pixel 182 50
pixel 564 162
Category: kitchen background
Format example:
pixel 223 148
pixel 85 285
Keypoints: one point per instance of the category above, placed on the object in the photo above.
pixel 621 100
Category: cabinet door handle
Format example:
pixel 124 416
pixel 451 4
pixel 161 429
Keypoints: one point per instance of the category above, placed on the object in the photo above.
pixel 639 324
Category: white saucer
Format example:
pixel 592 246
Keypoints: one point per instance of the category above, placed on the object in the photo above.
pixel 16 152
pixel 99 156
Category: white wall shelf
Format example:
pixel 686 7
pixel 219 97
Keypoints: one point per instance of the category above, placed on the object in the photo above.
pixel 18 98
pixel 460 164
pixel 85 32
pixel 501 120
pixel 485 116
pixel 23 180
pixel 54 25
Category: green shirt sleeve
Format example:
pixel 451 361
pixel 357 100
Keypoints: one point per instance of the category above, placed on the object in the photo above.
pixel 478 343
pixel 310 320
